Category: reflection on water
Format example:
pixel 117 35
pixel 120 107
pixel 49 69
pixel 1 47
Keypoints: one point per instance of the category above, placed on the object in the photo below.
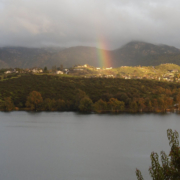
pixel 70 146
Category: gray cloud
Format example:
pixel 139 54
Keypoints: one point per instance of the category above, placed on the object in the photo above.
pixel 88 22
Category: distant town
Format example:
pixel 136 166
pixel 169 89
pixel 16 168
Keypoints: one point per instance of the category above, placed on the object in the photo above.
pixel 164 72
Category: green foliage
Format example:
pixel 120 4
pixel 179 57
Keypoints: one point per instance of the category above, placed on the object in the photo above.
pixel 148 104
pixel 48 104
pixel 86 104
pixel 139 175
pixel 100 106
pixel 34 100
pixel 45 70
pixel 60 105
pixel 169 169
pixel 115 106
pixel 137 95
pixel 8 105
pixel 78 97
pixel 178 98
pixel 133 106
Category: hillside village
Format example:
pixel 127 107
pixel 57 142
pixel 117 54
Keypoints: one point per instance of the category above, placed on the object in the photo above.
pixel 164 72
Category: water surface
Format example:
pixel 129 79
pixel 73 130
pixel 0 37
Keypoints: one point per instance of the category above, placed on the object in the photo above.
pixel 70 146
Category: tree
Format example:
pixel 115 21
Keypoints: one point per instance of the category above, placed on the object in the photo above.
pixel 45 70
pixel 133 106
pixel 178 99
pixel 34 100
pixel 79 95
pixel 100 106
pixel 47 105
pixel 61 67
pixel 60 105
pixel 54 69
pixel 115 105
pixel 8 105
pixel 86 104
pixel 163 102
pixel 148 104
pixel 141 103
pixel 155 104
pixel 170 168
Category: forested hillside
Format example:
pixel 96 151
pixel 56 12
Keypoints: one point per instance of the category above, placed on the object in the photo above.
pixel 99 94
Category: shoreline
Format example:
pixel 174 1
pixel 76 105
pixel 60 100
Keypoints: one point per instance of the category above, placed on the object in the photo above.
pixel 175 111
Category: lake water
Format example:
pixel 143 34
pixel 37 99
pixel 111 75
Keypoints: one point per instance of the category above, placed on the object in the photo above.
pixel 71 146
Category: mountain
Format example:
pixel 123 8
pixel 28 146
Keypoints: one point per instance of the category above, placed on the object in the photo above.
pixel 145 54
pixel 132 54
pixel 26 57
pixel 41 57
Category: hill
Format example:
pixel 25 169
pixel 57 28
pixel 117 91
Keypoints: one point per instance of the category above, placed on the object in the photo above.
pixel 40 57
pixel 145 54
pixel 66 93
pixel 132 54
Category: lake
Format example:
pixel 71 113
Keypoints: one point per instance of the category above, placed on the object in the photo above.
pixel 72 146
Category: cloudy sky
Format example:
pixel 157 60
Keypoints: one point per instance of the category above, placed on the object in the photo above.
pixel 36 23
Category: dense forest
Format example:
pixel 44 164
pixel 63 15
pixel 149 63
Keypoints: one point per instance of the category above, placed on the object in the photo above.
pixel 58 93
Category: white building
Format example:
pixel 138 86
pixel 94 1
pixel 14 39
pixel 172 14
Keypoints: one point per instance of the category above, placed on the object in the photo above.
pixel 59 72
pixel 7 72
pixel 108 68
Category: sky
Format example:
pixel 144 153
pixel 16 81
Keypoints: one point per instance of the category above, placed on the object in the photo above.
pixel 106 24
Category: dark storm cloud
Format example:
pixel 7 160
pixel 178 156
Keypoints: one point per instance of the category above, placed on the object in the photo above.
pixel 86 22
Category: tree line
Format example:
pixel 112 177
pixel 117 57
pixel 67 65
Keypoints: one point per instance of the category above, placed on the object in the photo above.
pixel 82 103
pixel 54 93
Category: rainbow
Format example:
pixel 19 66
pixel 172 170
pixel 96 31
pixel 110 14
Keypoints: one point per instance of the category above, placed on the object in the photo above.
pixel 104 58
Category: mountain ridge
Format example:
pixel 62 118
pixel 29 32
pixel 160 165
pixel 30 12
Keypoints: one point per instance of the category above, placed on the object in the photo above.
pixel 133 53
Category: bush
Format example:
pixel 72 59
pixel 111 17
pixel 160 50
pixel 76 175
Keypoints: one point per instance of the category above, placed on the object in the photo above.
pixel 34 100
pixel 170 168
pixel 86 104
pixel 8 105
pixel 100 106
pixel 115 106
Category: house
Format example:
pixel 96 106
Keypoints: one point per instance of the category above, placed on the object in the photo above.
pixel 66 71
pixel 78 69
pixel 7 72
pixel 108 68
pixel 173 71
pixel 79 66
pixel 127 77
pixel 59 72
pixel 36 70
pixel 109 76
pixel 83 66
